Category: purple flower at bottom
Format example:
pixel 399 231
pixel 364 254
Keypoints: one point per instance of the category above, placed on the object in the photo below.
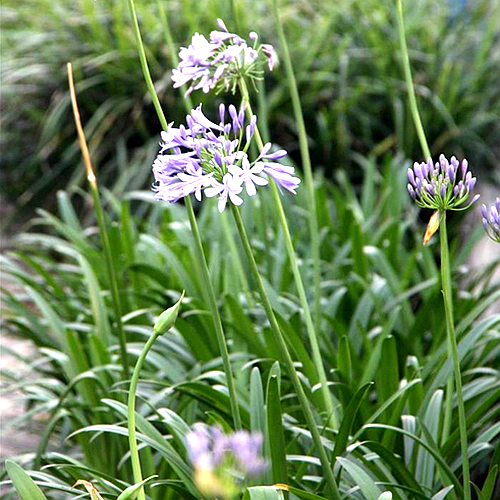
pixel 209 447
pixel 246 449
pixel 491 220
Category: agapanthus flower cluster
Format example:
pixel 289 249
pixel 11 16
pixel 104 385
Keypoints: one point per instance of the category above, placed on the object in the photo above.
pixel 491 220
pixel 207 158
pixel 223 462
pixel 219 63
pixel 444 185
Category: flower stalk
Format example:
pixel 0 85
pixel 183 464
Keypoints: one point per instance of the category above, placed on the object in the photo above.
pixel 306 163
pixel 285 354
pixel 441 193
pixel 214 311
pixel 164 323
pixel 313 339
pixel 452 345
pixel 91 177
pixel 409 82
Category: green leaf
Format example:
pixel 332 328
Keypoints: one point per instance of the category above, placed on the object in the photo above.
pixel 388 379
pixel 489 484
pixel 132 491
pixel 442 493
pixel 262 493
pixel 275 432
pixel 397 466
pixel 257 412
pixel 348 421
pixel 344 364
pixel 424 469
pixel 24 485
pixel 98 307
pixel 367 485
pixel 434 451
pixel 386 495
pixel 303 494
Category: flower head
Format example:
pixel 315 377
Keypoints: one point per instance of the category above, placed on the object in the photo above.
pixel 445 185
pixel 211 158
pixel 219 62
pixel 223 462
pixel 491 220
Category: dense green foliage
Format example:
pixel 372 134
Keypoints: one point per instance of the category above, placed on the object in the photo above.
pixel 382 325
pixel 382 331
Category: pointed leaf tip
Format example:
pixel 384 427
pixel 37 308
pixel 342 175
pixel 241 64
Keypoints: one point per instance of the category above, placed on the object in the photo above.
pixel 131 492
pixel 25 486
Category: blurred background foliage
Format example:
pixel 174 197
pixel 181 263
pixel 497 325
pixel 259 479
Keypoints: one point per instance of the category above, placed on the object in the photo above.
pixel 346 58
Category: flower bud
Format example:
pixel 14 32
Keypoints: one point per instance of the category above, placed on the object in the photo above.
pixel 167 318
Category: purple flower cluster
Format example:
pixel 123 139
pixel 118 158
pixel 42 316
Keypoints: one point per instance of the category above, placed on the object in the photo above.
pixel 210 158
pixel 209 448
pixel 219 62
pixel 491 220
pixel 445 185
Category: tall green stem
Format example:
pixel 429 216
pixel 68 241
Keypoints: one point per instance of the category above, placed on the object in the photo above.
pixel 306 163
pixel 313 339
pixel 196 234
pixel 409 81
pixel 215 315
pixel 445 277
pixel 285 354
pixel 132 434
pixel 452 342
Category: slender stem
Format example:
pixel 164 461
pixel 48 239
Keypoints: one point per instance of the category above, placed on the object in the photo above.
pixel 445 276
pixel 450 328
pixel 409 81
pixel 132 435
pixel 115 294
pixel 234 15
pixel 196 233
pixel 91 177
pixel 327 398
pixel 215 315
pixel 188 103
pixel 145 67
pixel 285 354
pixel 306 162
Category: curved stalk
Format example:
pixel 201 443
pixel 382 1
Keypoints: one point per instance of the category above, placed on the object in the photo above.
pixel 304 403
pixel 196 234
pixel 108 254
pixel 132 435
pixel 313 339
